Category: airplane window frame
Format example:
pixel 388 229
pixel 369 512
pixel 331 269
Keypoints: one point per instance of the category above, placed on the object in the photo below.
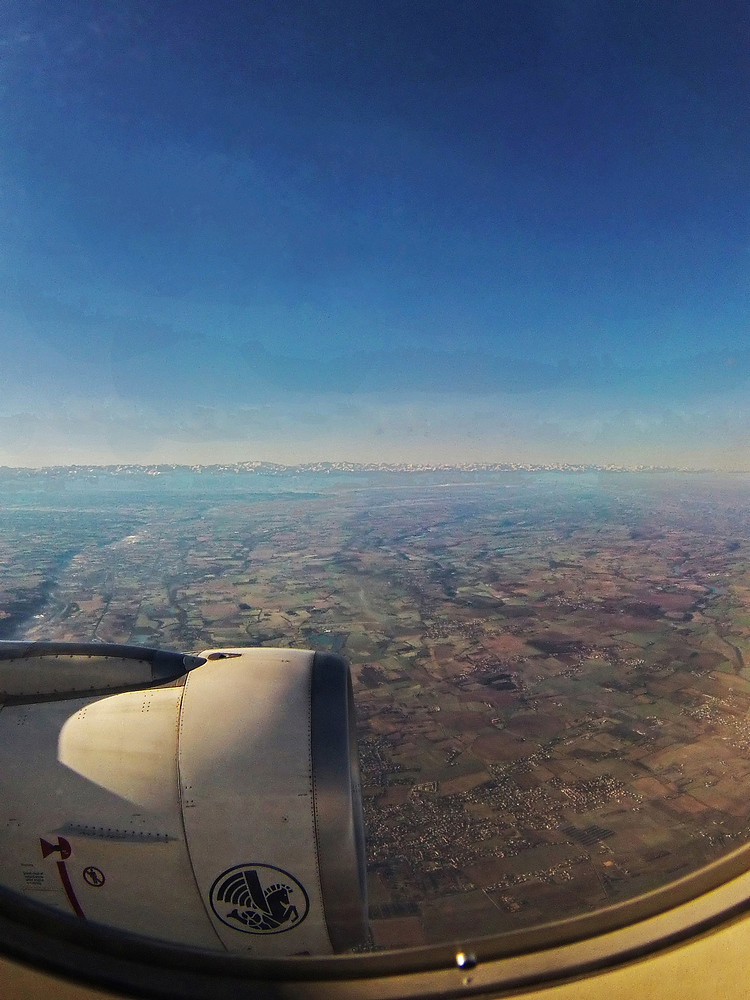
pixel 98 956
pixel 708 898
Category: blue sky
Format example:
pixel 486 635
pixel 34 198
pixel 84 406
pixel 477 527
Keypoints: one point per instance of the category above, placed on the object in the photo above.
pixel 378 230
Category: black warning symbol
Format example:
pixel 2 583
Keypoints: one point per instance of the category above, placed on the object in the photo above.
pixel 259 899
pixel 93 876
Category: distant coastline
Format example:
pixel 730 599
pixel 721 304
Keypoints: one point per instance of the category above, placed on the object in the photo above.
pixel 327 468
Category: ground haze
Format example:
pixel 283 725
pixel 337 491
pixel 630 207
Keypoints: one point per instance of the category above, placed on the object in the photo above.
pixel 551 670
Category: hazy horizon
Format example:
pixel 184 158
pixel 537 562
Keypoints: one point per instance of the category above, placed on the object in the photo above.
pixel 344 466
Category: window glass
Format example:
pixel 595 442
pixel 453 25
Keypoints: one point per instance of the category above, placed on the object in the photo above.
pixel 413 334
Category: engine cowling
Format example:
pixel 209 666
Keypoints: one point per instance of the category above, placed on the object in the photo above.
pixel 220 808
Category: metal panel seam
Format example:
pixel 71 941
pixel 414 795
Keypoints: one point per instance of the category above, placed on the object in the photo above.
pixel 182 815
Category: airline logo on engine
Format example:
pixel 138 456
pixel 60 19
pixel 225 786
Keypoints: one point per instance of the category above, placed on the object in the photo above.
pixel 259 899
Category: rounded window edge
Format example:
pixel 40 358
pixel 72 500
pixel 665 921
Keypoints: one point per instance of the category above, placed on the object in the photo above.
pixel 98 956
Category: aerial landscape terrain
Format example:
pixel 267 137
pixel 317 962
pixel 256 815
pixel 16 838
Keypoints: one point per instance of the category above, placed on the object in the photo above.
pixel 551 668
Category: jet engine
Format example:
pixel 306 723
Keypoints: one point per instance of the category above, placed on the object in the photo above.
pixel 211 800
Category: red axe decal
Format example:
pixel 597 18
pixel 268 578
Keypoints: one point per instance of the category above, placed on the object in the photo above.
pixel 62 846
pixel 65 850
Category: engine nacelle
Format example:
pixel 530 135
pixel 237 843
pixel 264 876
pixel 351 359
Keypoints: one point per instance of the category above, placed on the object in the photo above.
pixel 219 809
